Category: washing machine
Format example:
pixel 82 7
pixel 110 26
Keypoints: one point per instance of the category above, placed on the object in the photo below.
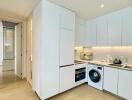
pixel 95 76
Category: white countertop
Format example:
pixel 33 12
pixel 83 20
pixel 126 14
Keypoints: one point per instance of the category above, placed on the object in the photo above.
pixel 105 64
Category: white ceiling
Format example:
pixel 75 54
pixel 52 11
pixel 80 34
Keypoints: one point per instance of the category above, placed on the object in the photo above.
pixel 16 8
pixel 88 9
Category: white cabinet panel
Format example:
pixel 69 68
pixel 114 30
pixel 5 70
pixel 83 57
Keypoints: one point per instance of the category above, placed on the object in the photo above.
pixel 67 19
pixel 79 32
pixel 91 33
pixel 125 84
pixel 110 79
pixel 127 27
pixel 102 31
pixel 115 28
pixel 66 47
pixel 46 49
pixel 67 78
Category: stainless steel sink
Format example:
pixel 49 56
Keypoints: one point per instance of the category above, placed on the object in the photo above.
pixel 117 65
pixel 129 67
pixel 78 62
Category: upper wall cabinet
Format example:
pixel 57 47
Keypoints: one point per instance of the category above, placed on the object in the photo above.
pixel 127 27
pixel 115 28
pixel 67 19
pixel 102 31
pixel 91 33
pixel 79 32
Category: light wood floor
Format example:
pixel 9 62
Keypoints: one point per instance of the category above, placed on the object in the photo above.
pixel 12 88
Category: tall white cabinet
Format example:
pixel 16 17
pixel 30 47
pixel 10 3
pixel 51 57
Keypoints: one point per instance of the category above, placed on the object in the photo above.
pixel 67 27
pixel 46 49
pixel 53 29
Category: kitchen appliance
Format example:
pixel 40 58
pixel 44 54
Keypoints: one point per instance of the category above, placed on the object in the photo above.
pixel 80 74
pixel 86 55
pixel 95 76
pixel 117 61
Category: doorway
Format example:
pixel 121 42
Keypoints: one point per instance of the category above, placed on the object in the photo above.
pixel 11 60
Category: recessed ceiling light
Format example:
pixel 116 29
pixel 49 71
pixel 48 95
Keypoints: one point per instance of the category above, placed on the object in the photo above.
pixel 102 5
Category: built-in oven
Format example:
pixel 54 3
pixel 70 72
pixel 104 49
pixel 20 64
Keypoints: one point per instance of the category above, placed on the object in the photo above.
pixel 80 74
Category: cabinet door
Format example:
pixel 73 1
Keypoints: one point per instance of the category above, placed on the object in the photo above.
pixel 127 27
pixel 67 19
pixel 102 31
pixel 125 84
pixel 110 79
pixel 66 47
pixel 115 28
pixel 79 32
pixel 90 38
pixel 67 78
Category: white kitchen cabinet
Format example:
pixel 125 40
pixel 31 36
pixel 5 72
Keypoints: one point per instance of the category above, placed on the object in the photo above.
pixel 91 33
pixel 67 78
pixel 111 80
pixel 102 31
pixel 127 27
pixel 125 84
pixel 46 47
pixel 66 47
pixel 115 28
pixel 79 32
pixel 67 19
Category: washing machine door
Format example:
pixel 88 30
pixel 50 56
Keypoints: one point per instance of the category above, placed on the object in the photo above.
pixel 94 76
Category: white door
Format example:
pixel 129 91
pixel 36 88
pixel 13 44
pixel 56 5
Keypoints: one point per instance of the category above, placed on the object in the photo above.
pixel 115 28
pixel 67 78
pixel 110 79
pixel 91 33
pixel 18 50
pixel 127 27
pixel 125 84
pixel 66 47
pixel 102 31
pixel 67 19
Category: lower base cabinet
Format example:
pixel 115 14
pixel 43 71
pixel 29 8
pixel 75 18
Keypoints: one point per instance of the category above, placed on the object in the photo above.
pixel 125 84
pixel 67 78
pixel 111 80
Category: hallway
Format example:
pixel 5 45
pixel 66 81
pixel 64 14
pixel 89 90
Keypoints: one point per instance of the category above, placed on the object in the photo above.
pixel 13 88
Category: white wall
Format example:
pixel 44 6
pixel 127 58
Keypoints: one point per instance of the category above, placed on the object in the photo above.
pixel 1 43
pixel 100 53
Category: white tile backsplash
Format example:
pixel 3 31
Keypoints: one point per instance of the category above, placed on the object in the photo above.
pixel 100 53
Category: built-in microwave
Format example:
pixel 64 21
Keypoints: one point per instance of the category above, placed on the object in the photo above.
pixel 80 74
